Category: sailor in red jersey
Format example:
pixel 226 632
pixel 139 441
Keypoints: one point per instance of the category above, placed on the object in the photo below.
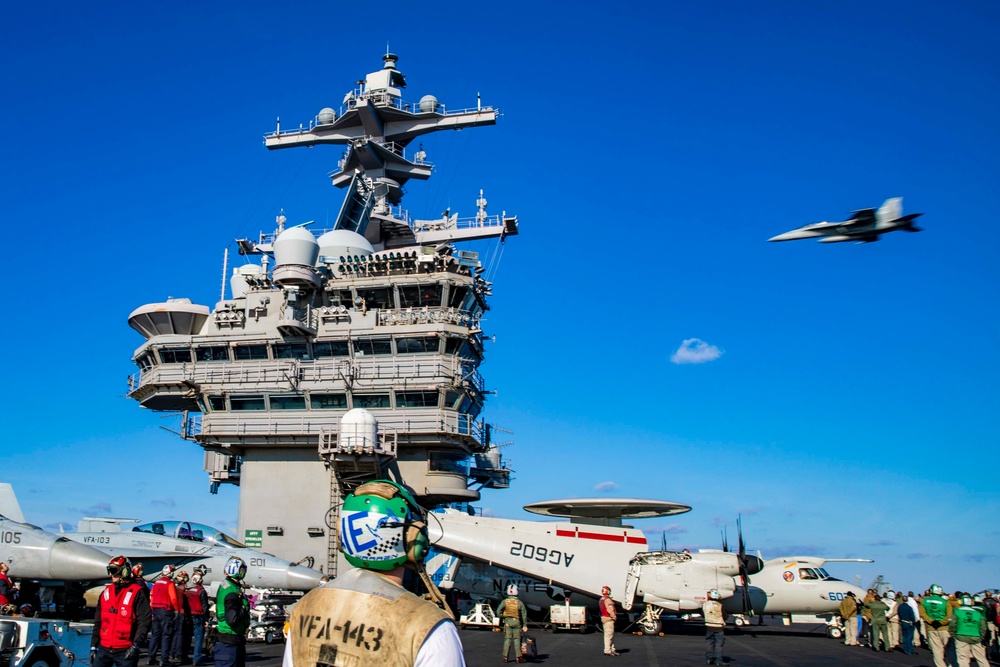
pixel 122 619
pixel 164 602
pixel 8 591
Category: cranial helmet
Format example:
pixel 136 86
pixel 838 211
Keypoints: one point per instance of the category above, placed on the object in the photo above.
pixel 167 570
pixel 119 566
pixel 27 610
pixel 137 570
pixel 713 594
pixel 381 527
pixel 967 600
pixel 196 578
pixel 512 589
pixel 236 568
pixel 891 595
pixel 605 590
pixel 181 577
pixel 936 590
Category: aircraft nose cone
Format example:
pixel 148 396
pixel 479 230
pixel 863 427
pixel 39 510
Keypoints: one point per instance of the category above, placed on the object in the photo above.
pixel 302 578
pixel 77 562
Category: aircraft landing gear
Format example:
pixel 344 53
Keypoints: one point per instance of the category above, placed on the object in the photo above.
pixel 650 622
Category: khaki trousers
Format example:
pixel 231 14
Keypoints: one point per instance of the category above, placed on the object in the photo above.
pixel 851 631
pixel 965 652
pixel 938 641
pixel 609 634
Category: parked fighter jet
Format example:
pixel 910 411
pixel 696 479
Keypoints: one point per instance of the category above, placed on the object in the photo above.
pixel 33 553
pixel 864 226
pixel 191 545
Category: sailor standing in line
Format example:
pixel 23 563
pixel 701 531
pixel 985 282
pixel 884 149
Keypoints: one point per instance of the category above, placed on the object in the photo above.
pixel 163 600
pixel 232 609
pixel 122 619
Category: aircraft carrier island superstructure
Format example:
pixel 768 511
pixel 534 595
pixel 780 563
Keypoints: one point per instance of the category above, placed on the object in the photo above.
pixel 341 355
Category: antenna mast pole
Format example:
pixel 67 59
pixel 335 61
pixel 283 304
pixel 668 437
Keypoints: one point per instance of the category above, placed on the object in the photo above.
pixel 225 267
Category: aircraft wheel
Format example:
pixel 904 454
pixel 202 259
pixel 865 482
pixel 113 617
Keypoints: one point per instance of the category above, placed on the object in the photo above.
pixel 834 632
pixel 652 627
pixel 271 637
pixel 739 621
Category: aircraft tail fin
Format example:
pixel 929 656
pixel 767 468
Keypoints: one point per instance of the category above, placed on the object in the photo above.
pixel 9 507
pixel 890 211
pixel 442 567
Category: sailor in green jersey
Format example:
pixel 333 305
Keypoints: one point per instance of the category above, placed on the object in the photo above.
pixel 934 614
pixel 232 609
pixel 968 627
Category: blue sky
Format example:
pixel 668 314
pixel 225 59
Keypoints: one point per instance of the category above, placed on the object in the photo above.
pixel 649 150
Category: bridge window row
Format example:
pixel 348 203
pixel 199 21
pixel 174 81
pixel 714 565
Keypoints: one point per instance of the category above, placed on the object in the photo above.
pixel 320 349
pixel 452 400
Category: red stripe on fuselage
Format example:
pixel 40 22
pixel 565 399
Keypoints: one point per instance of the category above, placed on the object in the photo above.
pixel 601 536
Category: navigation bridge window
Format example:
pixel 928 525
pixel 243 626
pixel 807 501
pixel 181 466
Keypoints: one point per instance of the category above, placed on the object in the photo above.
pixel 418 345
pixel 452 462
pixel 177 355
pixel 287 402
pixel 240 403
pixel 372 346
pixel 460 297
pixel 145 361
pixel 415 296
pixel 416 399
pixel 250 352
pixel 370 400
pixel 328 401
pixel 212 353
pixel 217 403
pixel 379 297
pixel 331 348
pixel 187 530
pixel 291 351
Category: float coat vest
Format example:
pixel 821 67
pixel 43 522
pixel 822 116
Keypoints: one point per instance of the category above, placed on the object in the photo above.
pixel 967 622
pixel 361 619
pixel 160 597
pixel 3 598
pixel 935 606
pixel 511 609
pixel 225 590
pixel 194 600
pixel 118 616
pixel 712 610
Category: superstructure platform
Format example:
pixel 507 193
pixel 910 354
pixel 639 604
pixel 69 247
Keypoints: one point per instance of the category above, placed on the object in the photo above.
pixel 340 355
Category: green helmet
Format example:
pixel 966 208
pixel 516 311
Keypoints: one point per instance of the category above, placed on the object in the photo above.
pixel 936 590
pixel 381 527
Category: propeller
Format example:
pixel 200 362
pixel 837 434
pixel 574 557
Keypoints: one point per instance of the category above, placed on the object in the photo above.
pixel 748 564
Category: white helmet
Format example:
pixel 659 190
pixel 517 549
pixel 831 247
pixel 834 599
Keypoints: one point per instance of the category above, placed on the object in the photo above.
pixel 167 570
pixel 196 578
pixel 891 595
pixel 512 589
pixel 713 594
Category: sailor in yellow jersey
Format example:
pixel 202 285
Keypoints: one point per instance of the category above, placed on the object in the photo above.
pixel 364 617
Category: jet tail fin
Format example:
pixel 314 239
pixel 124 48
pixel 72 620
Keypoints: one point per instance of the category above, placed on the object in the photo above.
pixel 9 507
pixel 891 210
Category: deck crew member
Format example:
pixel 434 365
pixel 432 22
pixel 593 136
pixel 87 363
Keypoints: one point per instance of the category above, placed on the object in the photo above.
pixel 514 618
pixel 715 624
pixel 232 609
pixel 968 626
pixel 122 619
pixel 364 617
pixel 935 614
pixel 163 600
pixel 197 598
pixel 608 616
pixel 8 591
pixel 849 613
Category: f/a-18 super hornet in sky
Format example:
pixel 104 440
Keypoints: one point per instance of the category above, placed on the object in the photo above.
pixel 864 226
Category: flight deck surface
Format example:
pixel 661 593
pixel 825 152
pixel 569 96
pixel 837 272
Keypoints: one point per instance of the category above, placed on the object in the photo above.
pixel 756 646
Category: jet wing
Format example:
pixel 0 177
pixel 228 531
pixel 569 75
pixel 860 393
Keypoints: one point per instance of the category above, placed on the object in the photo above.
pixel 865 216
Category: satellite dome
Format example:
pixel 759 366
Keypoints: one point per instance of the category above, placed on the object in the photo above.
pixel 296 246
pixel 358 430
pixel 429 103
pixel 342 242
pixel 326 116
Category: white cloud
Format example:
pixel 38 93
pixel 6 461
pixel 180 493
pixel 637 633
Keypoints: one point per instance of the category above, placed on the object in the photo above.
pixel 695 351
pixel 606 487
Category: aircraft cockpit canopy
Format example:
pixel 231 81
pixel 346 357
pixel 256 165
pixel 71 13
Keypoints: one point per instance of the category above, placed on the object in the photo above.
pixel 187 530
pixel 813 574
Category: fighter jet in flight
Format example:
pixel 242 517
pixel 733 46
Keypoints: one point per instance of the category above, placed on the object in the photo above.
pixel 864 226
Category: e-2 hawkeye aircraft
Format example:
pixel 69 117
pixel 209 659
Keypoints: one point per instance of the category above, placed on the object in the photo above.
pixel 593 551
pixel 863 226
pixel 582 556
pixel 194 545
